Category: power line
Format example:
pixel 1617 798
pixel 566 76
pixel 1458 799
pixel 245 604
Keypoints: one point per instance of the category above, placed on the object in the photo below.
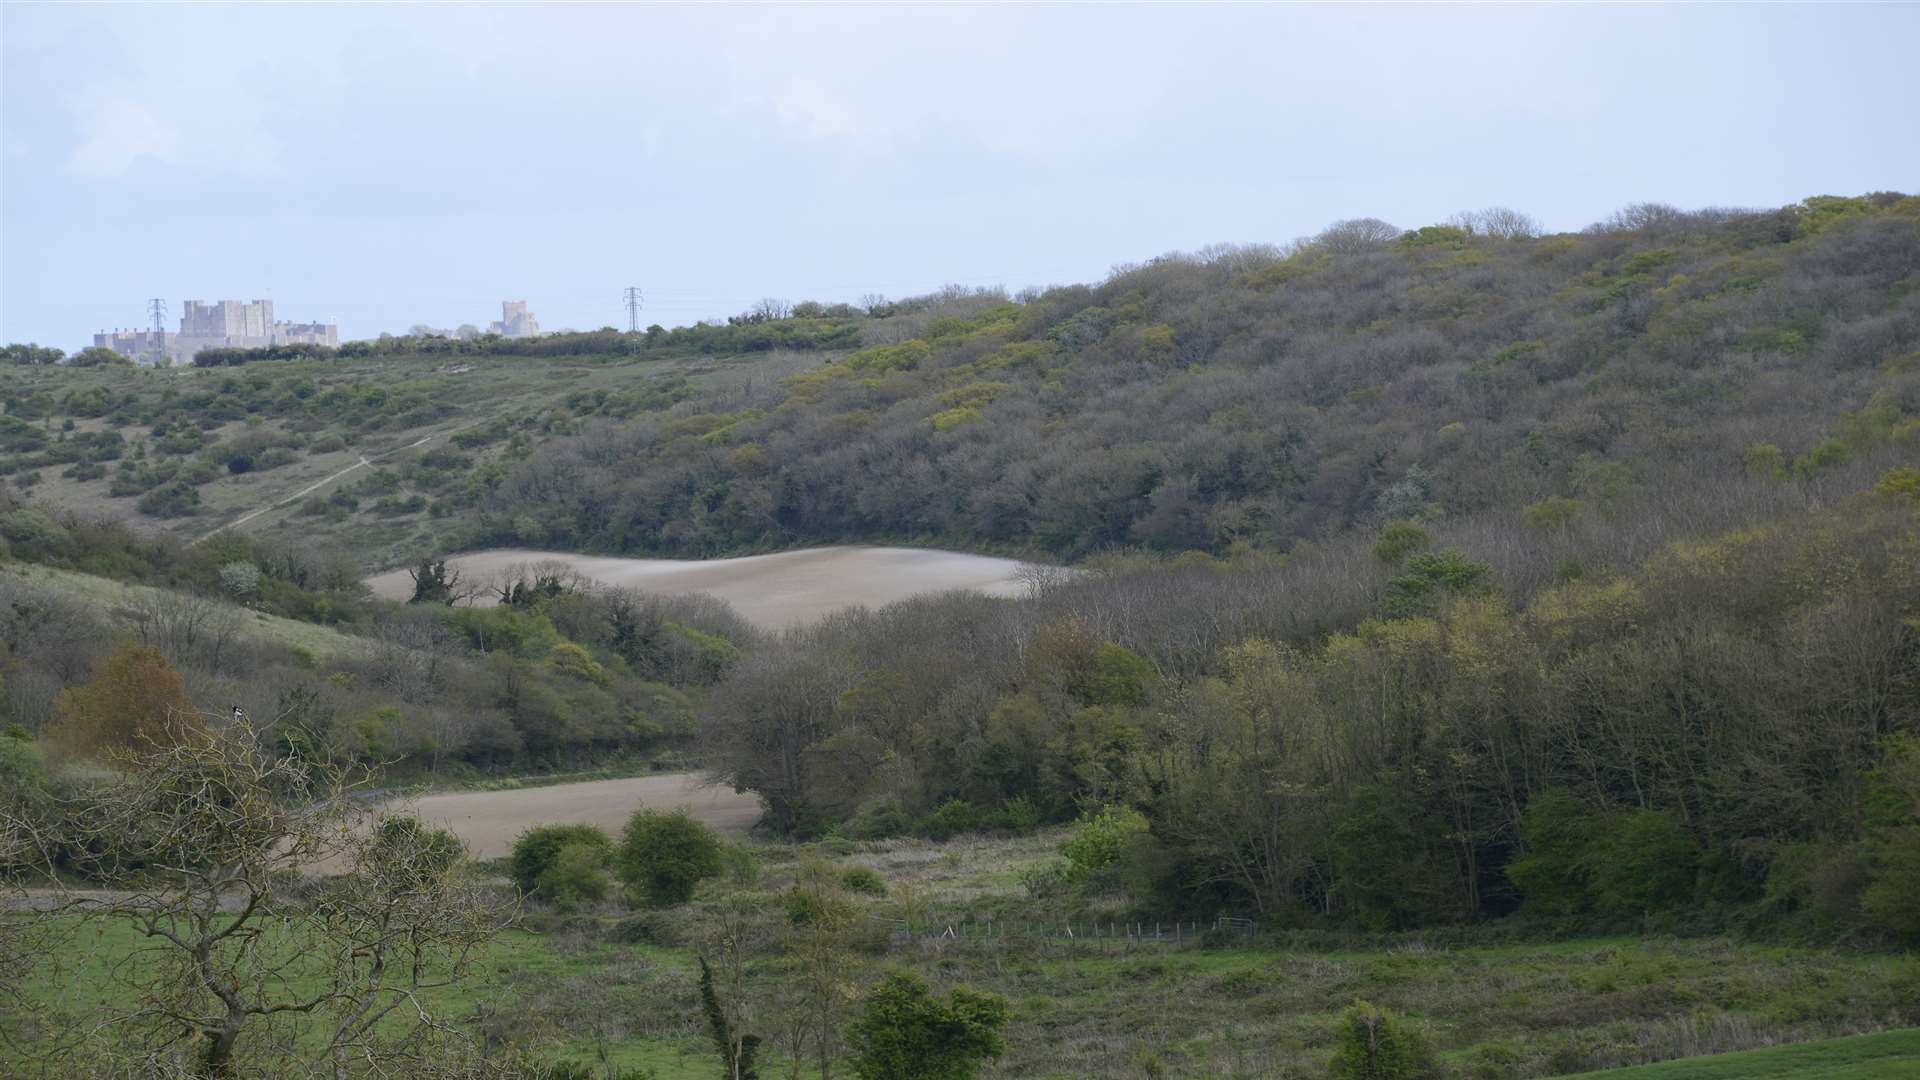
pixel 633 309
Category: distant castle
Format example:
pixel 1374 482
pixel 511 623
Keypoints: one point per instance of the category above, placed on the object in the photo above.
pixel 515 320
pixel 219 325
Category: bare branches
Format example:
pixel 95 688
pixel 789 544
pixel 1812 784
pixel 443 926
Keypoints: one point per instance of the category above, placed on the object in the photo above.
pixel 201 845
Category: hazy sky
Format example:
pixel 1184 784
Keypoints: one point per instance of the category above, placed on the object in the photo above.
pixel 385 165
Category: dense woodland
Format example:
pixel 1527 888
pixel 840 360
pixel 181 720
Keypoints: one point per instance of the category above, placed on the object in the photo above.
pixel 1419 577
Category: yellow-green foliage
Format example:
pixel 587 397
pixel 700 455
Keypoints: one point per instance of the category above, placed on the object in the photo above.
pixel 881 359
pixel 1274 275
pixel 1434 236
pixel 746 458
pixel 1765 459
pixel 809 388
pixel 973 395
pixel 1156 343
pixel 1823 212
pixel 1587 610
pixel 1899 484
pixel 953 418
pixel 1021 354
pixel 1552 512
pixel 575 660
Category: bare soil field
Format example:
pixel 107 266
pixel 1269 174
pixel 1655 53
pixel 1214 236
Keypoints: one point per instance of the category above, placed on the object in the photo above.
pixel 771 591
pixel 490 820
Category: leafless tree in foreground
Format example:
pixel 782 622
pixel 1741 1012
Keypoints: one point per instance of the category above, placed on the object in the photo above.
pixel 200 847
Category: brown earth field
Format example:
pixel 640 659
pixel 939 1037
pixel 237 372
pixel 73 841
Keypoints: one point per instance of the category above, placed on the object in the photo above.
pixel 490 820
pixel 771 591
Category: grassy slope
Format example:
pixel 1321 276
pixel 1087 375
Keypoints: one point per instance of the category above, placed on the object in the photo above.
pixel 119 599
pixel 1095 1007
pixel 1889 1055
pixel 527 392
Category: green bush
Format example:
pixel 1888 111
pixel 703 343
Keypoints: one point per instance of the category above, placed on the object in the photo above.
pixel 1099 838
pixel 537 849
pixel 1019 815
pixel 1575 858
pixel 864 880
pixel 664 856
pixel 904 1032
pixel 577 875
pixel 1374 1044
pixel 951 818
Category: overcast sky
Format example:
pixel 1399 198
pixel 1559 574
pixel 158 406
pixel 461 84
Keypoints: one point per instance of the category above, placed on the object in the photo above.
pixel 386 165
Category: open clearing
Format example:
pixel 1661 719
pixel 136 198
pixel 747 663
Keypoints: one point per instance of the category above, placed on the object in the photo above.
pixel 771 591
pixel 1884 1056
pixel 489 820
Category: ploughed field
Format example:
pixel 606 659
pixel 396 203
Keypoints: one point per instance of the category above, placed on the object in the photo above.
pixel 771 591
pixel 488 821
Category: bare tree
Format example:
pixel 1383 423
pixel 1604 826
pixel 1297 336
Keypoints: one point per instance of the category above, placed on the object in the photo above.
pixel 199 847
pixel 1498 222
pixel 1356 235
pixel 187 627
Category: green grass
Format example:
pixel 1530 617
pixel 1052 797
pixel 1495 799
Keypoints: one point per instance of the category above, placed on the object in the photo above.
pixel 1492 1006
pixel 1888 1055
pixel 121 599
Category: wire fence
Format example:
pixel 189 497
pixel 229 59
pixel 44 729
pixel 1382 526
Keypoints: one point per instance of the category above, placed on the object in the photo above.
pixel 1096 935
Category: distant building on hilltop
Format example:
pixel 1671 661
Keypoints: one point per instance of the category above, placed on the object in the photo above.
pixel 515 320
pixel 222 324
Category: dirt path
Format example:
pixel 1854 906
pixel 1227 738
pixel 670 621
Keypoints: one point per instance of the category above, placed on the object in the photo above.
pixel 771 591
pixel 490 820
pixel 364 462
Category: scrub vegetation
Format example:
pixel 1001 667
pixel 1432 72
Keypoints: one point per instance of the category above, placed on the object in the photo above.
pixel 1491 654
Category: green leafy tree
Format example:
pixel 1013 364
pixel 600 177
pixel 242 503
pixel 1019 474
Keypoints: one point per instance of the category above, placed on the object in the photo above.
pixel 664 856
pixel 1892 844
pixel 1649 865
pixel 1432 576
pixel 905 1032
pixel 1399 539
pixel 1374 1044
pixel 98 356
pixel 1558 834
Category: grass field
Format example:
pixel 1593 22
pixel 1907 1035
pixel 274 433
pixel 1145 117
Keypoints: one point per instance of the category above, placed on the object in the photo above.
pixel 1891 1055
pixel 623 984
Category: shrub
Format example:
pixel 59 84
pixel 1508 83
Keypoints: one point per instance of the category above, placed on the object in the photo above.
pixel 1099 838
pixel 1374 1044
pixel 1019 815
pixel 951 818
pixel 537 850
pixel 863 880
pixel 664 856
pixel 904 1032
pixel 577 875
